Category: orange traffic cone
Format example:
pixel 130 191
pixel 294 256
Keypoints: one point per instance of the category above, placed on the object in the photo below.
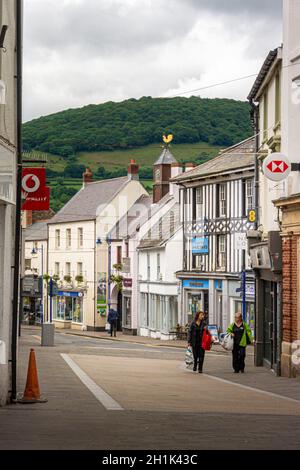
pixel 32 392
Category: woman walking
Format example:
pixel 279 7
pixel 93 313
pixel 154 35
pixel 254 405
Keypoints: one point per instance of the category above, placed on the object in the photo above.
pixel 242 336
pixel 195 339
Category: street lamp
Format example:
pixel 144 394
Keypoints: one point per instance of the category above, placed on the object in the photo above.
pixel 35 251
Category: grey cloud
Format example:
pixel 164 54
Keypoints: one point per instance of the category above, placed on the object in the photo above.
pixel 270 8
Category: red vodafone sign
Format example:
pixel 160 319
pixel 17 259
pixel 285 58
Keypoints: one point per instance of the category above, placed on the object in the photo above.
pixel 277 167
pixel 35 193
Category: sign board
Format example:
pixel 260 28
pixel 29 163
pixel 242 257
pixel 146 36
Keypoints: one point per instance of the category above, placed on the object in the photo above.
pixel 241 242
pixel 35 193
pixel 277 167
pixel 200 246
pixel 195 284
pixel 127 283
pixel 70 294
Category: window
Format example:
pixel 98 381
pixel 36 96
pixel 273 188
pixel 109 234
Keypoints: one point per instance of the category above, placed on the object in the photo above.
pixel 57 269
pixel 221 251
pixel 68 238
pixel 248 195
pixel 127 249
pixel 278 100
pixel 198 262
pixel 221 200
pixel 119 255
pixel 80 237
pixel 57 239
pixel 68 269
pixel 148 267
pixel 266 118
pixel 79 269
pixel 158 267
pixel 27 264
pixel 199 204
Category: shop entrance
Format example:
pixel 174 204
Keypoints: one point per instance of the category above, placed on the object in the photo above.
pixel 270 323
pixel 197 300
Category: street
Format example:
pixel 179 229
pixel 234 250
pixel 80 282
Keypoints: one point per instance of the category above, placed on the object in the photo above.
pixel 106 394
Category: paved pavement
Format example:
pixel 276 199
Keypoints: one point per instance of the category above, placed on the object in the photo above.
pixel 160 404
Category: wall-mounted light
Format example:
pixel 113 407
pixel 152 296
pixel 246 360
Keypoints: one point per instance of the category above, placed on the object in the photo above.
pixel 98 241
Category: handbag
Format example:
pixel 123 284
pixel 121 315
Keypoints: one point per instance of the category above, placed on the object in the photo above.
pixel 206 341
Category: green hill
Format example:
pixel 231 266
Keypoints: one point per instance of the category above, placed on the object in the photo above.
pixel 106 136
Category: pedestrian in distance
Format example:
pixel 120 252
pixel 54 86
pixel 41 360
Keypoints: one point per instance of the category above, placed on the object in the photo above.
pixel 113 321
pixel 197 331
pixel 242 336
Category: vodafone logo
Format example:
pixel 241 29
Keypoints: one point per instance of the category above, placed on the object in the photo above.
pixel 277 167
pixel 31 184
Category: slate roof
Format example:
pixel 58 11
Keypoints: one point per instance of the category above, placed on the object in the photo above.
pixel 166 158
pixel 234 158
pixel 36 232
pixel 271 57
pixel 138 214
pixel 165 228
pixel 84 205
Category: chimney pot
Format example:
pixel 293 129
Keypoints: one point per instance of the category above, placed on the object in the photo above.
pixel 133 170
pixel 87 177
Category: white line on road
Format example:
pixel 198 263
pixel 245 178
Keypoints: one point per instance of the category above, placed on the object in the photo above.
pixel 246 387
pixel 106 400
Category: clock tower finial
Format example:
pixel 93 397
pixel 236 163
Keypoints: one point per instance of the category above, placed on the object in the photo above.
pixel 162 170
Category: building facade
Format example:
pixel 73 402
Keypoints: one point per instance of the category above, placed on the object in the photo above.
pixel 7 185
pixel 79 250
pixel 216 198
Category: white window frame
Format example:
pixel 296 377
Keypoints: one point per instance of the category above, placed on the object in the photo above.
pixel 79 269
pixel 249 195
pixel 80 237
pixel 68 238
pixel 57 239
pixel 199 203
pixel 57 269
pixel 222 200
pixel 68 269
pixel 221 252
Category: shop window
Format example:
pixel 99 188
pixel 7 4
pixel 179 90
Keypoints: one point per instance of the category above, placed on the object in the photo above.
pixel 68 309
pixel 250 312
pixel 127 311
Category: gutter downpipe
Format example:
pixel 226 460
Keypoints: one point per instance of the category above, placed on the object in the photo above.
pixel 16 275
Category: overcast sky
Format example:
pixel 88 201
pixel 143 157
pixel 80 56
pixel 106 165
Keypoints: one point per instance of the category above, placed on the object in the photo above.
pixel 79 52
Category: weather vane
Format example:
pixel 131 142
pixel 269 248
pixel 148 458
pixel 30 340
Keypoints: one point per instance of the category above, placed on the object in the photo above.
pixel 168 139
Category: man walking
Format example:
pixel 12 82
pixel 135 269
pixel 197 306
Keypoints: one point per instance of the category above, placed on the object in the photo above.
pixel 113 321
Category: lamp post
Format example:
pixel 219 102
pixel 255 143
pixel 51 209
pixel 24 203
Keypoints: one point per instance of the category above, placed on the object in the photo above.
pixel 35 252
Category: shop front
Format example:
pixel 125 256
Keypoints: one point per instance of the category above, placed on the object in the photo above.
pixel 31 300
pixel 68 309
pixel 196 297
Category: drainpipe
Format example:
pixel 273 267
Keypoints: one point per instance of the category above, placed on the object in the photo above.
pixel 16 274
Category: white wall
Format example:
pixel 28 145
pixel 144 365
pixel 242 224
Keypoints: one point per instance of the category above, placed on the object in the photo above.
pixel 291 93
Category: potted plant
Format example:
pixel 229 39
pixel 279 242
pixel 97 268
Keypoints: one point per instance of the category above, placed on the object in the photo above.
pixel 56 278
pixel 68 279
pixel 79 279
pixel 118 267
pixel 46 278
pixel 118 280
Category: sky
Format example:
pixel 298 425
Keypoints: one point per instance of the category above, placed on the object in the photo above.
pixel 78 52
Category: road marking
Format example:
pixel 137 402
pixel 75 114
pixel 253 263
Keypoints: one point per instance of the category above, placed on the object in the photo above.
pixel 106 400
pixel 245 387
pixel 38 338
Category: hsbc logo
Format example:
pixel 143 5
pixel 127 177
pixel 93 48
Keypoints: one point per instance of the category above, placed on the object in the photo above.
pixel 276 167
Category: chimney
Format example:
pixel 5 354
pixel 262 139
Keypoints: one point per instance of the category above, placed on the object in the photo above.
pixel 133 170
pixel 87 177
pixel 27 219
pixel 189 166
pixel 176 170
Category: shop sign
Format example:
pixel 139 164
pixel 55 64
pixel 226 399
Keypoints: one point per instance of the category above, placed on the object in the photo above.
pixel 195 284
pixel 70 294
pixel 35 193
pixel 127 283
pixel 241 242
pixel 277 167
pixel 250 290
pixel 200 246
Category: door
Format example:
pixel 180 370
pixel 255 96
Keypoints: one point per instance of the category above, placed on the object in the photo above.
pixel 270 323
pixel 120 311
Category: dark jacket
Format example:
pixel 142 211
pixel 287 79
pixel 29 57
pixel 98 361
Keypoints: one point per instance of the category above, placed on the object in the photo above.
pixel 112 316
pixel 193 332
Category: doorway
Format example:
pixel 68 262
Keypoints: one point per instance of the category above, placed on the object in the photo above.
pixel 270 323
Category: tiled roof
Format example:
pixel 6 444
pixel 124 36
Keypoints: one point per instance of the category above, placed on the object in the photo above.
pixel 271 57
pixel 163 230
pixel 84 205
pixel 237 157
pixel 36 232
pixel 166 158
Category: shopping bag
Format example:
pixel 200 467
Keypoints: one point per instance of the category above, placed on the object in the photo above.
pixel 228 342
pixel 189 358
pixel 206 341
pixel 107 327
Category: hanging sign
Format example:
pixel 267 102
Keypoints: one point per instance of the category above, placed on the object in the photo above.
pixel 277 167
pixel 35 193
pixel 200 246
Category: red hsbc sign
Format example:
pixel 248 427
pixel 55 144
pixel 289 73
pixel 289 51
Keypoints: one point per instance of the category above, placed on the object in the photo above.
pixel 277 167
pixel 35 193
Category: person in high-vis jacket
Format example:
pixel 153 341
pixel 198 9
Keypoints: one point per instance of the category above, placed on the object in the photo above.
pixel 241 333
